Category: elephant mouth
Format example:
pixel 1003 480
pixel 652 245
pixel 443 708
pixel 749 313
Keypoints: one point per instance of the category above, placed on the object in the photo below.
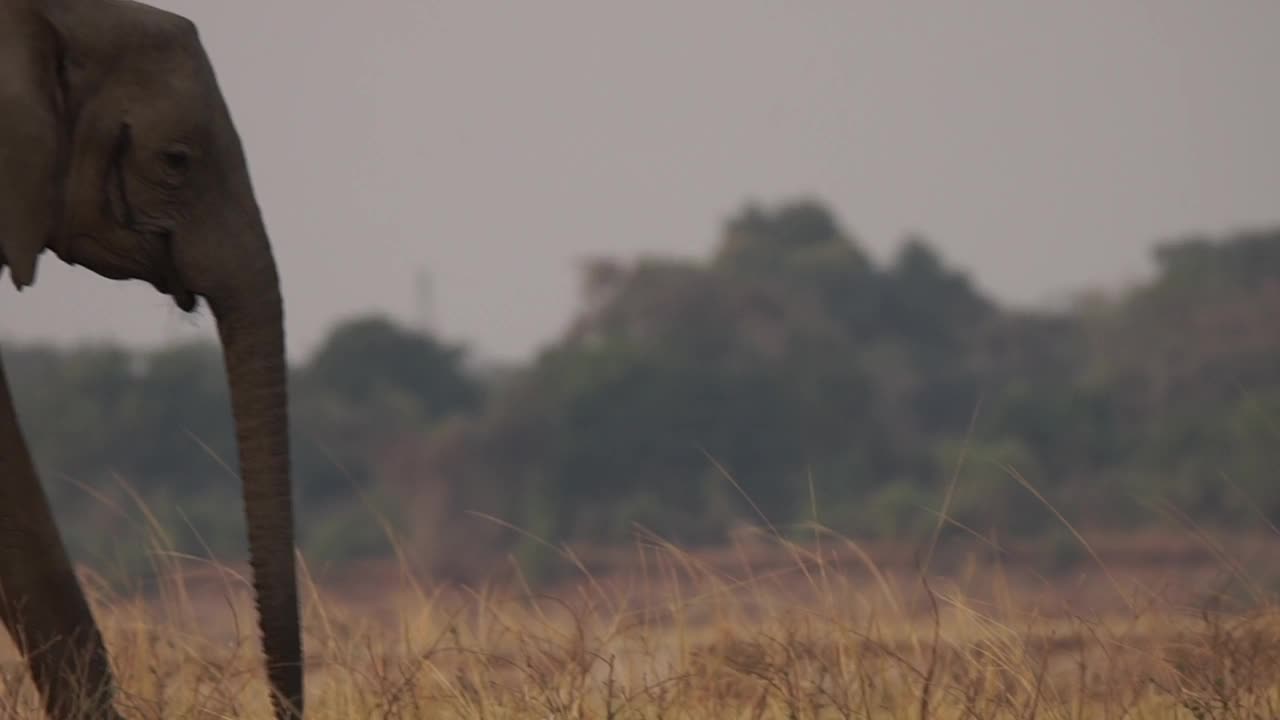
pixel 151 261
pixel 183 298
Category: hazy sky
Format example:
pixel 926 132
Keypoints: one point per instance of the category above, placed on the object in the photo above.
pixel 1042 146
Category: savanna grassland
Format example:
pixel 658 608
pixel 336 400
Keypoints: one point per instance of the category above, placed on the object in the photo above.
pixel 1140 627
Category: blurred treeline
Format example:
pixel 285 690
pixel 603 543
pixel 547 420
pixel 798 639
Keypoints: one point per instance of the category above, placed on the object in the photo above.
pixel 790 368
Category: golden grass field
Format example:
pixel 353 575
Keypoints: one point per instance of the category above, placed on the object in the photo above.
pixel 1134 628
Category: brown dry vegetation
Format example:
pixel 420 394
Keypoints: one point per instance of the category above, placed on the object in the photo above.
pixel 764 629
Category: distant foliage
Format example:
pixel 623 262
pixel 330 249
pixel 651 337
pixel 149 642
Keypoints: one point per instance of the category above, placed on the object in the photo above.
pixel 790 376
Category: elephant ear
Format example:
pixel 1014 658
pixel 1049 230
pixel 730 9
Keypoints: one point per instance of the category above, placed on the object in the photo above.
pixel 31 139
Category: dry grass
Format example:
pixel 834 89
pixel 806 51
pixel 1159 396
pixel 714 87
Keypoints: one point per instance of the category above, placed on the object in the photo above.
pixel 826 634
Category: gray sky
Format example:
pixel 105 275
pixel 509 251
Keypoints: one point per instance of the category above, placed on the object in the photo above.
pixel 1042 146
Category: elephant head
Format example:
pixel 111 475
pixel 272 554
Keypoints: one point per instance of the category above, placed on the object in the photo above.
pixel 118 153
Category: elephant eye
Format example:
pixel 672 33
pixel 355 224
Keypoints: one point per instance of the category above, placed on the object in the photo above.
pixel 176 160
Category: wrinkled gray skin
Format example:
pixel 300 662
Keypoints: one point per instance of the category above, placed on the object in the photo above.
pixel 117 153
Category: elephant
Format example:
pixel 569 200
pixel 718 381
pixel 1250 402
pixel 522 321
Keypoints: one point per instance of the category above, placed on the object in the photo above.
pixel 118 153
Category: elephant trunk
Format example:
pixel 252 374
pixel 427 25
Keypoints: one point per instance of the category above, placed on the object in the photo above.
pixel 251 326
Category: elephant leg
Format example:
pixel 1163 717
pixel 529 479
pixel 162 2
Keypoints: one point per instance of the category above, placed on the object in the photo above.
pixel 41 602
